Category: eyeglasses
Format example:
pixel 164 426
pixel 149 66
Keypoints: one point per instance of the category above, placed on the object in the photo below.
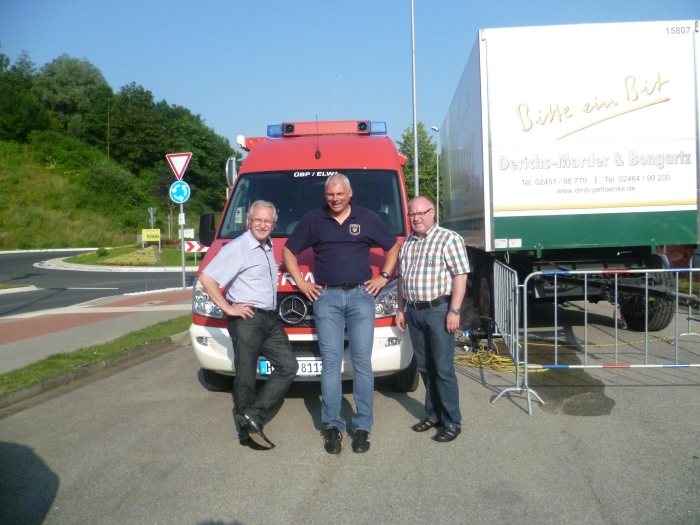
pixel 262 221
pixel 419 214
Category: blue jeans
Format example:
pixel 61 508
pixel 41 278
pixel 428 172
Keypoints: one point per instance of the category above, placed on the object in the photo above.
pixel 434 348
pixel 334 310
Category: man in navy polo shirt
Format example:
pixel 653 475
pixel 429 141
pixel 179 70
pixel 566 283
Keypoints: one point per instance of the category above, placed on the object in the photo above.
pixel 341 235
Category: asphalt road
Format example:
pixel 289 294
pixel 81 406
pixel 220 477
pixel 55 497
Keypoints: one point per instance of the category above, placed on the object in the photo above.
pixel 58 288
pixel 150 445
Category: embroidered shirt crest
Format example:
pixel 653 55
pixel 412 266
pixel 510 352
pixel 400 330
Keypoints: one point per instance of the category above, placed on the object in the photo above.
pixel 354 229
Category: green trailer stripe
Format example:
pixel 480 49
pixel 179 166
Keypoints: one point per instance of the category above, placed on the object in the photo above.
pixel 599 229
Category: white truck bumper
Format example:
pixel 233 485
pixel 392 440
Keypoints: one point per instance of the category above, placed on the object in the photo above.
pixel 391 351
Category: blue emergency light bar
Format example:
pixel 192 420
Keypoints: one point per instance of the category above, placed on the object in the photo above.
pixel 274 131
pixel 342 127
pixel 377 128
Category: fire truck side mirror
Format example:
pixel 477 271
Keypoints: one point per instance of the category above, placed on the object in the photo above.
pixel 231 173
pixel 207 229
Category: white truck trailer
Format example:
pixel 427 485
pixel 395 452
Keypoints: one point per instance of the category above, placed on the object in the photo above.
pixel 575 148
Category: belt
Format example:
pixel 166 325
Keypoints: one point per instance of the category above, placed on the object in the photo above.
pixel 264 312
pixel 341 287
pixel 422 305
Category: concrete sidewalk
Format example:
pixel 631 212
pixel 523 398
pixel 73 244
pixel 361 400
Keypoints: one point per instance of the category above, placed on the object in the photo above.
pixel 28 338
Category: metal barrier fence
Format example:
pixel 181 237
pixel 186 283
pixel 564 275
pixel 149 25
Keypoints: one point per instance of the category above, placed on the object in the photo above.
pixel 506 291
pixel 658 304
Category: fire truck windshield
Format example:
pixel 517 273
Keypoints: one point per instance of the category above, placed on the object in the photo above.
pixel 295 193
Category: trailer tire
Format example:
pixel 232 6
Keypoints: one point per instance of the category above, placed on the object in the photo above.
pixel 215 382
pixel 661 311
pixel 406 380
pixel 484 291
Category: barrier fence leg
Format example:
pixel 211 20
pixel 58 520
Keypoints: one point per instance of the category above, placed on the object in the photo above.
pixel 521 380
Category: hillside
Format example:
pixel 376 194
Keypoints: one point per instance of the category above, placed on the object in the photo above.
pixel 38 208
pixel 80 165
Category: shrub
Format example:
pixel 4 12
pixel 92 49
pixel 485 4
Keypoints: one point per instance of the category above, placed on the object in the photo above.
pixel 110 185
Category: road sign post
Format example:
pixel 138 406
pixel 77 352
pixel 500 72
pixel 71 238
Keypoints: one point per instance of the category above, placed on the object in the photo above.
pixel 152 211
pixel 179 193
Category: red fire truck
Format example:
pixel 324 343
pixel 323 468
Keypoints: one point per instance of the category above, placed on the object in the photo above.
pixel 289 168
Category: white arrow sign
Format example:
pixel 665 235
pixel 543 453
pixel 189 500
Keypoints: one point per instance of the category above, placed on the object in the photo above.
pixel 179 193
pixel 178 162
pixel 194 246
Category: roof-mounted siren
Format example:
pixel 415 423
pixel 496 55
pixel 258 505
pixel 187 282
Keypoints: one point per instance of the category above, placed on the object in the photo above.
pixel 336 127
pixel 231 173
pixel 286 129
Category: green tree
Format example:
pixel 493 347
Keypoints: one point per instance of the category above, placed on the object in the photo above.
pixel 20 109
pixel 69 87
pixel 184 131
pixel 97 121
pixel 427 167
pixel 61 115
pixel 135 129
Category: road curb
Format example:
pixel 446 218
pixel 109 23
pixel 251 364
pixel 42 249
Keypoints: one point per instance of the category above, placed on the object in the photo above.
pixel 60 264
pixel 131 357
pixel 31 288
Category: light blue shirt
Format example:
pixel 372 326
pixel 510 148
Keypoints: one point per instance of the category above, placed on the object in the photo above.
pixel 247 270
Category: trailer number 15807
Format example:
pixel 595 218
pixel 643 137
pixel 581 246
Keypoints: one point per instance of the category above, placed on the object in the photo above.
pixel 677 30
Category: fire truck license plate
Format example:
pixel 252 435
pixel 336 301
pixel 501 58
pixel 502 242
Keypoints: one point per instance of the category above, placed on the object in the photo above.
pixel 306 368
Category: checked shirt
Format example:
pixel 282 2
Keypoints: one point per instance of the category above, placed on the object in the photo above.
pixel 429 263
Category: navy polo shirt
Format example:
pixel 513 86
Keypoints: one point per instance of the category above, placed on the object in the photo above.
pixel 341 250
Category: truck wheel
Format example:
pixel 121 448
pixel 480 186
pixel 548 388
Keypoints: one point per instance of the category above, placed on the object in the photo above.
pixel 484 291
pixel 661 311
pixel 216 382
pixel 406 380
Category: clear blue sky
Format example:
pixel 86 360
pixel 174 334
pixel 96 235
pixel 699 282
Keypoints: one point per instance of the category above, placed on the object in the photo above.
pixel 242 65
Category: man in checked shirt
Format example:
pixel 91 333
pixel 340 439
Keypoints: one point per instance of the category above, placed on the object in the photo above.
pixel 433 268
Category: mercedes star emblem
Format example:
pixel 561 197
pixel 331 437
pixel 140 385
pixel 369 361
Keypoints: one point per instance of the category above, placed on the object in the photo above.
pixel 293 309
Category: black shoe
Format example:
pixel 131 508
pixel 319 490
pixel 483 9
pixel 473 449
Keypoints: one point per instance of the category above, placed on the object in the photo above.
pixel 244 437
pixel 360 443
pixel 448 433
pixel 245 441
pixel 255 431
pixel 332 440
pixel 424 425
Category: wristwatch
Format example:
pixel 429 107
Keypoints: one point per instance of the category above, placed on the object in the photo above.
pixel 455 311
pixel 385 275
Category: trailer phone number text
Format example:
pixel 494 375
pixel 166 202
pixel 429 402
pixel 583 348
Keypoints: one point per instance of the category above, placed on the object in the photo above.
pixel 574 181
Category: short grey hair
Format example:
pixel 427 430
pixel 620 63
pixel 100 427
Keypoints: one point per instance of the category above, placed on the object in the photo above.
pixel 418 197
pixel 263 204
pixel 341 177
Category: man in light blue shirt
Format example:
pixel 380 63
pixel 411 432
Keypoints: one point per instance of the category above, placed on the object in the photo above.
pixel 246 268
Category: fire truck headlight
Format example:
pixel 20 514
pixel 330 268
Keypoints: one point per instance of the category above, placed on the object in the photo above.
pixel 203 305
pixel 385 303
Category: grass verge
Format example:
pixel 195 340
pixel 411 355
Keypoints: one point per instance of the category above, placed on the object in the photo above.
pixel 10 286
pixel 58 364
pixel 169 257
pixel 174 258
pixel 94 258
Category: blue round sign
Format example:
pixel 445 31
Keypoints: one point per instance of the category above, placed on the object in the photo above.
pixel 179 192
